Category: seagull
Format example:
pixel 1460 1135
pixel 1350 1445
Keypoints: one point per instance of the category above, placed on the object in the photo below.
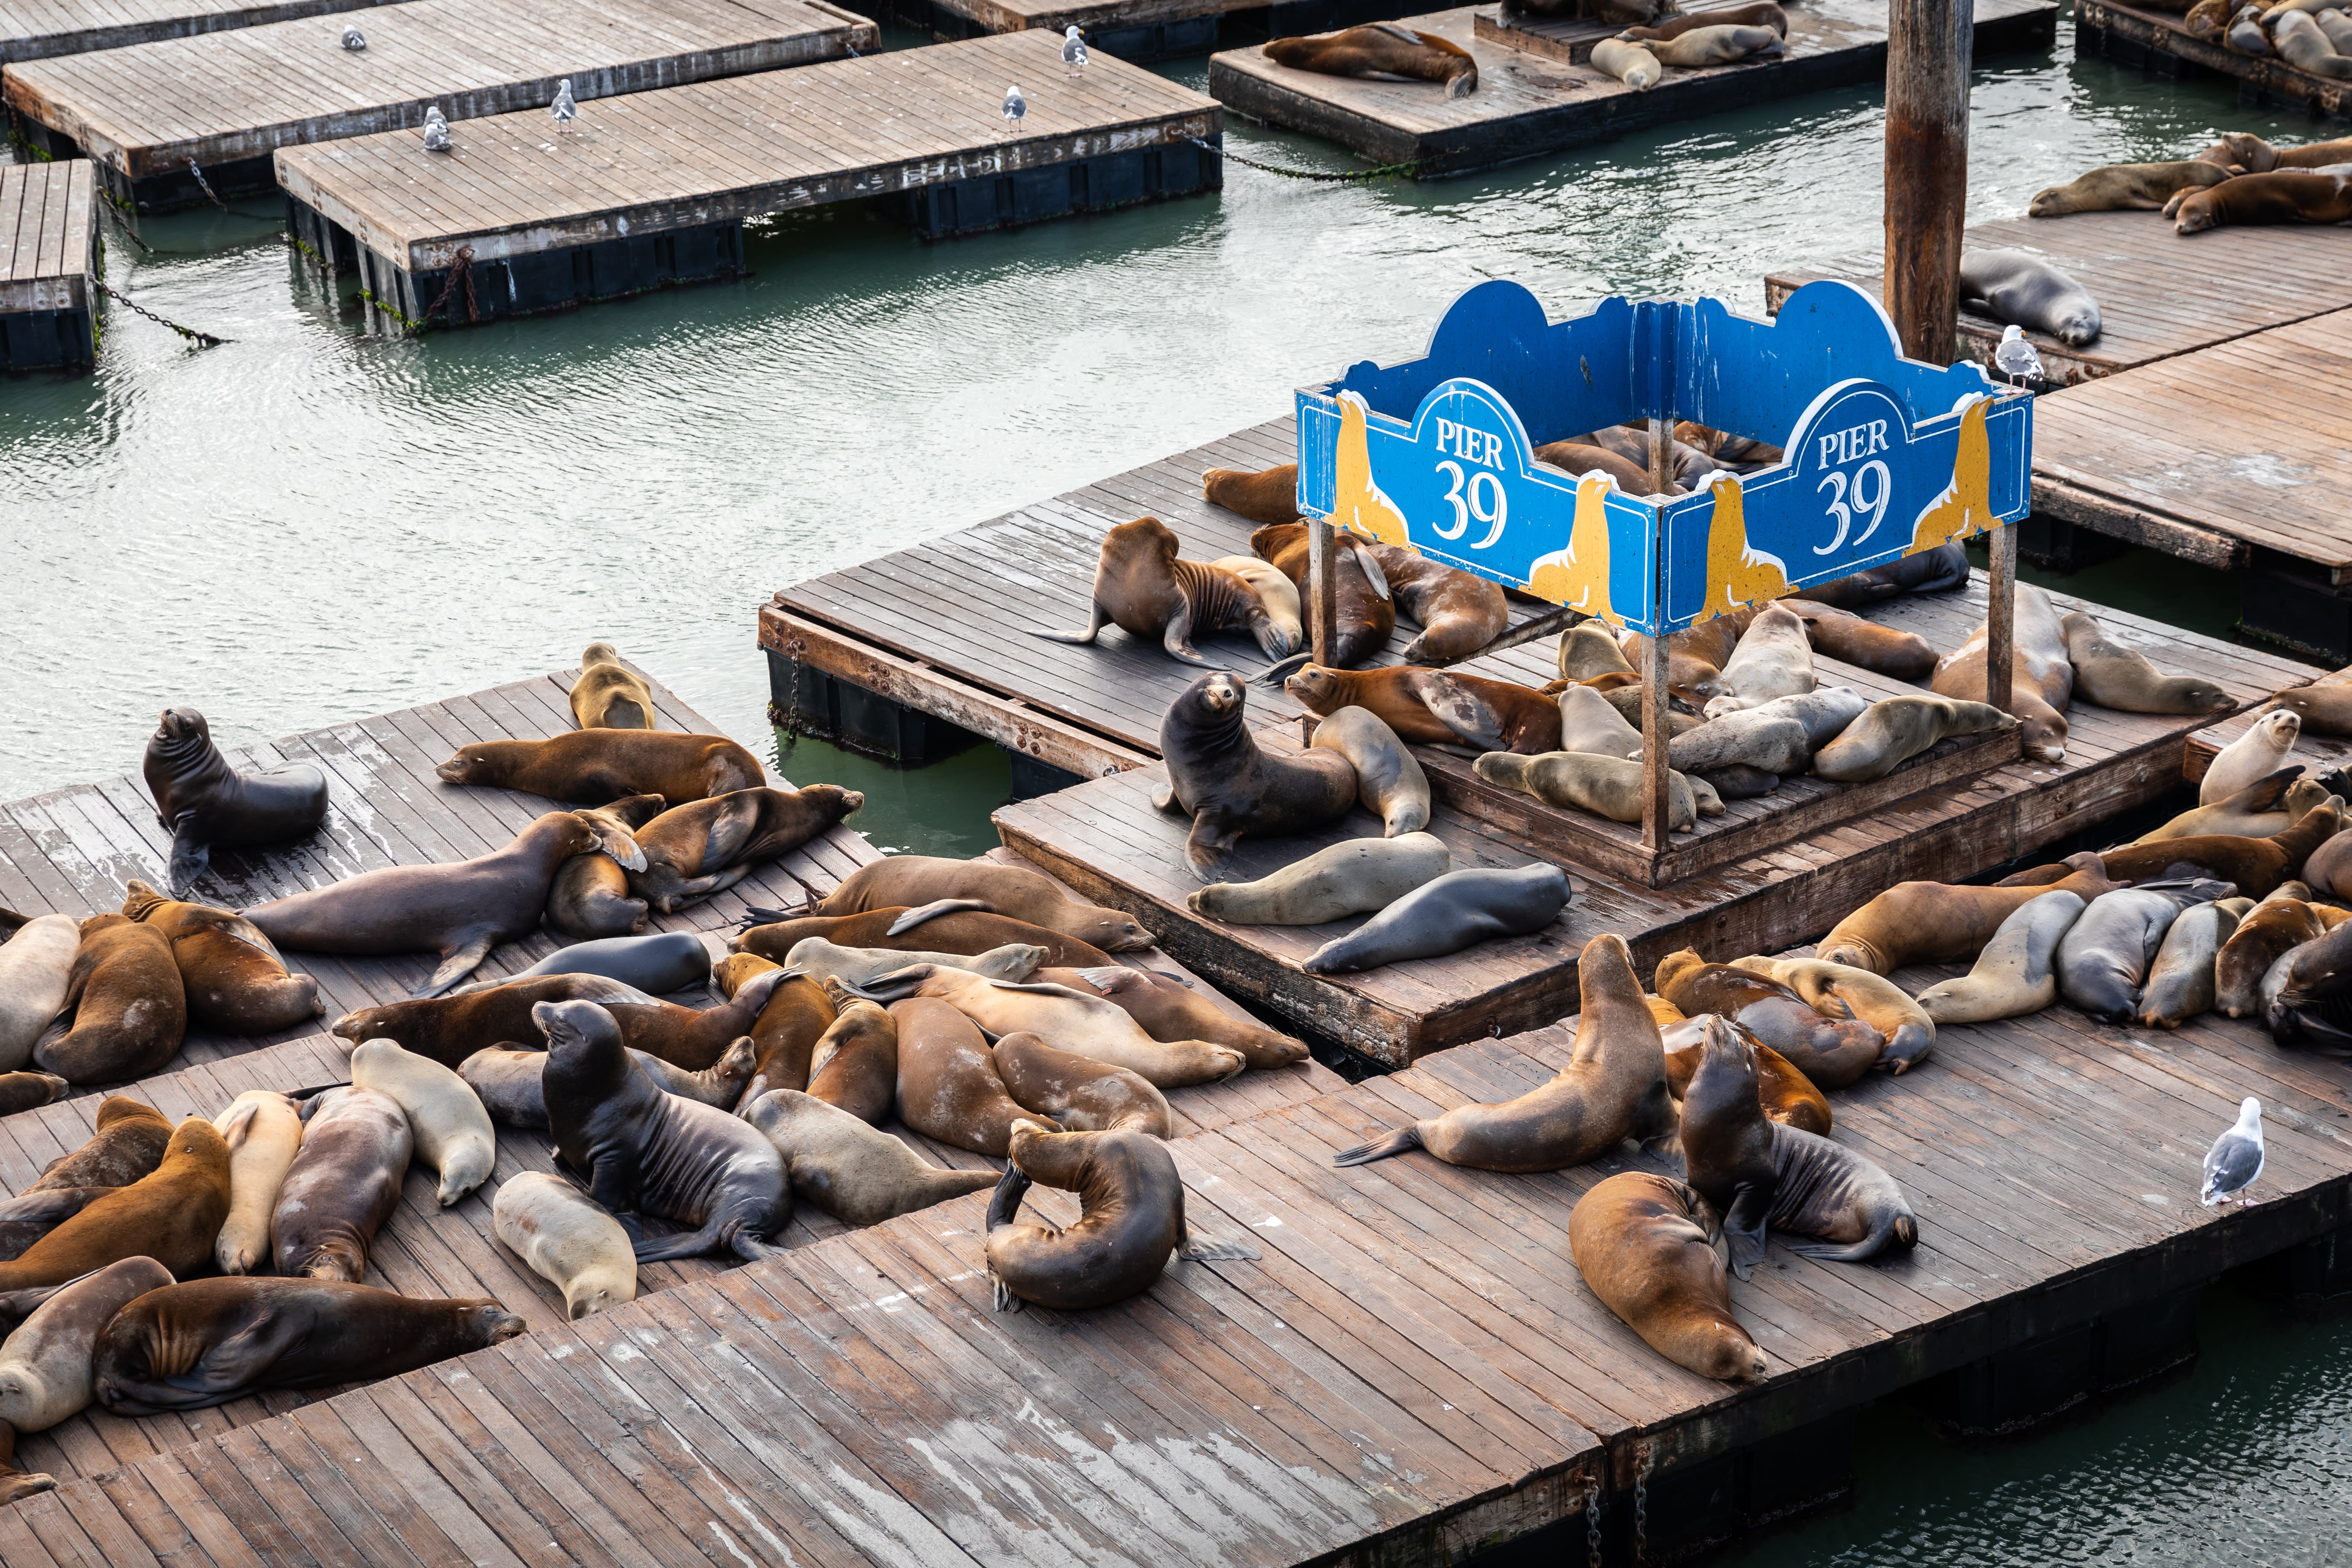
pixel 437 135
pixel 354 40
pixel 2015 358
pixel 1074 52
pixel 2235 1161
pixel 563 109
pixel 1015 106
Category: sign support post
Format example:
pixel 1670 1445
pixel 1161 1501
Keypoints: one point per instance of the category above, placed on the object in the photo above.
pixel 1322 606
pixel 2001 616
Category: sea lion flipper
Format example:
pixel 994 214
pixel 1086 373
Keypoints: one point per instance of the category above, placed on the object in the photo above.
pixel 1276 673
pixel 460 962
pixel 1096 621
pixel 729 832
pixel 1197 1248
pixel 1743 1226
pixel 1397 1142
pixel 1112 980
pixel 1164 799
pixel 1178 638
pixel 1372 573
pixel 932 910
pixel 1460 708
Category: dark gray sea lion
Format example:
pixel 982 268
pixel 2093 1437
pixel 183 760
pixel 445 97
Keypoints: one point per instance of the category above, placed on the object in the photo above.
pixel 207 804
pixel 1144 590
pixel 656 964
pixel 590 767
pixel 706 846
pixel 460 910
pixel 1852 1208
pixel 2314 1004
pixel 1219 776
pixel 207 1342
pixel 235 981
pixel 1457 910
pixel 2180 984
pixel 507 1080
pixel 451 1028
pixel 643 1152
pixel 344 1184
pixel 25 1219
pixel 2105 955
pixel 1728 1140
pixel 2015 287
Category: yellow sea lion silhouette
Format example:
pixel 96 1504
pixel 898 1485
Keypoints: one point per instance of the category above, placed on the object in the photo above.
pixel 1737 573
pixel 1966 505
pixel 1360 507
pixel 1577 576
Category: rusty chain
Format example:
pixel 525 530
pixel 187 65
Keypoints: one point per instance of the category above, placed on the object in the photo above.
pixel 795 649
pixel 461 265
pixel 1641 1503
pixel 1593 1522
pixel 201 339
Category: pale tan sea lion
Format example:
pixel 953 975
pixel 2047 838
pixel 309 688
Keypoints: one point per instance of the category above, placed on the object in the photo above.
pixel 1591 648
pixel 859 1174
pixel 609 695
pixel 2181 982
pixel 35 967
pixel 449 1130
pixel 1389 783
pixel 1354 877
pixel 2325 707
pixel 2261 750
pixel 1891 733
pixel 926 881
pixel 1605 786
pixel 568 1239
pixel 2017 971
pixel 2041 678
pixel 1774 659
pixel 263 1131
pixel 1277 592
pixel 1637 68
pixel 2265 807
pixel 1085 1022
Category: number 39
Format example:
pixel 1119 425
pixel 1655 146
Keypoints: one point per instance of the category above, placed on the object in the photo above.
pixel 1874 487
pixel 1486 502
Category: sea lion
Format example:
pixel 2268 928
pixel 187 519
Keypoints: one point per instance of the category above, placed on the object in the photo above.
pixel 130 1009
pixel 644 1152
pixel 858 1174
pixel 2324 709
pixel 1590 648
pixel 1774 659
pixel 2283 195
pixel 2114 675
pixel 1458 613
pixel 590 895
pixel 36 970
pixel 2242 150
pixel 656 964
pixel 1381 49
pixel 127 1145
pixel 2020 287
pixel 1630 63
pixel 1726 1141
pixel 1144 590
pixel 460 909
pixel 2328 869
pixel 1606 787
pixel 2180 983
pixel 2016 973
pixel 45 1366
pixel 170 1215
pixel 1764 14
pixel 1230 786
pixel 24 1219
pixel 1083 1021
pixel 206 1342
pixel 2303 44
pixel 925 880
pixel 205 804
pixel 1851 639
pixel 1695 655
pixel 1763 739
pixel 1850 1206
pixel 450 1029
pixel 2254 812
pixel 450 1129
pixel 1389 783
pixel 29 1090
pixel 342 1186
pixel 567 1240
pixel 947 1089
pixel 1831 1052
pixel 1892 731
pixel 1078 1093
pixel 1267 496
pixel 509 1080
pixel 1459 910
pixel 2041 678
pixel 263 1131
pixel 1940 923
pixel 949 925
pixel 591 767
pixel 1468 713
pixel 1590 722
pixel 234 980
pixel 1647 1246
pixel 2255 865
pixel 1354 877
pixel 706 846
pixel 1168 1009
pixel 2308 1004
pixel 785 1035
pixel 1839 990
pixel 855 1063
pixel 2125 187
pixel 1613 1088
pixel 817 958
pixel 2256 755
pixel 1787 1095
pixel 1130 1218
pixel 1716 45
pixel 1277 593
pixel 2281 922
pixel 2105 955
pixel 609 695
pixel 1363 616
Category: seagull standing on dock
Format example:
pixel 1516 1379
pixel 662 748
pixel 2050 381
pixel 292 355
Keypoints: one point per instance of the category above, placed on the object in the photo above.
pixel 563 109
pixel 1015 106
pixel 437 133
pixel 1074 52
pixel 2235 1161
pixel 2015 358
pixel 354 40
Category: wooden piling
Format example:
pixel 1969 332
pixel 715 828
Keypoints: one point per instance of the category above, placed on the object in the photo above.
pixel 2000 616
pixel 1928 48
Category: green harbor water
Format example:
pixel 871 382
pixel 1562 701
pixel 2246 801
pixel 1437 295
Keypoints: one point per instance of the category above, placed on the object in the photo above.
pixel 311 524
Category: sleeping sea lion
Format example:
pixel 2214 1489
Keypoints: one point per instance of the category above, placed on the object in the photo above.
pixel 2114 675
pixel 263 1130
pixel 1632 64
pixel 46 1366
pixel 1363 614
pixel 859 1174
pixel 818 959
pixel 1381 49
pixel 2255 865
pixel 2020 287
pixel 590 767
pixel 36 964
pixel 1835 990
pixel 126 1144
pixel 2268 807
pixel 923 881
pixel 1167 1009
pixel 451 1028
pixel 1468 713
pixel 947 925
pixel 567 1241
pixel 590 895
pixel 1647 1246
pixel 1458 613
pixel 1142 588
pixel 1940 923
pixel 609 695
pixel 2277 925
pixel 2041 678
pixel 2125 187
pixel 947 1088
pixel 2016 973
pixel 1774 659
pixel 1726 1141
pixel 656 964
pixel 1714 44
pixel 2283 195
pixel 234 980
pixel 1267 496
pixel 2324 709
pixel 2180 983
pixel 1354 877
pixel 1082 1021
pixel 1231 787
pixel 1389 783
pixel 1277 593
pixel 1831 1052
pixel 205 804
pixel 1579 781
pixel 1763 14
pixel 129 1008
pixel 2105 955
pixel 170 1215
pixel 343 1183
pixel 1079 1093
pixel 1445 915
pixel 1893 730
pixel 1851 639
pixel 706 846
pixel 854 1064
pixel 783 1038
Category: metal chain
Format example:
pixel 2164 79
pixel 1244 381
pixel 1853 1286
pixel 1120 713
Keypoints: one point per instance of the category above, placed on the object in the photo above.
pixel 1385 172
pixel 460 266
pixel 201 339
pixel 1593 1522
pixel 1641 1503
pixel 795 649
pixel 205 187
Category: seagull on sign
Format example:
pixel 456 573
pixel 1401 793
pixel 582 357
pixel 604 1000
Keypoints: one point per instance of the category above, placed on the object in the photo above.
pixel 2015 358
pixel 2235 1161
pixel 354 40
pixel 1015 106
pixel 563 109
pixel 1074 52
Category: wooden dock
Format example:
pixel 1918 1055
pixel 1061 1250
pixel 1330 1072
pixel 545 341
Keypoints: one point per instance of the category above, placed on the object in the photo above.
pixel 226 102
pixel 2158 41
pixel 1138 30
pixel 41 29
pixel 1531 100
pixel 48 265
pixel 654 188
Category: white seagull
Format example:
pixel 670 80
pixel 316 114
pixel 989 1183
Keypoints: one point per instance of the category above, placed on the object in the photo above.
pixel 2015 358
pixel 354 40
pixel 436 135
pixel 1074 52
pixel 563 109
pixel 2235 1161
pixel 1015 106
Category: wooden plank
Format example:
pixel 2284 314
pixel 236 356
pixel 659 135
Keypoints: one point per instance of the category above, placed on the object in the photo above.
pixel 43 30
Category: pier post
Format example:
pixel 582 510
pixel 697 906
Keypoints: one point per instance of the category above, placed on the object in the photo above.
pixel 2000 614
pixel 1656 730
pixel 1322 606
pixel 1928 48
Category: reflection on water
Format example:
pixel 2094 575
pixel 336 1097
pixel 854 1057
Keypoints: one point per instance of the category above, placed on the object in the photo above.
pixel 941 809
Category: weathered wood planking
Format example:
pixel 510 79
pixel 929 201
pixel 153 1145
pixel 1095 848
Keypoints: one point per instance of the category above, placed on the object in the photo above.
pixel 39 29
pixel 227 101
pixel 2132 34
pixel 48 265
pixel 1531 100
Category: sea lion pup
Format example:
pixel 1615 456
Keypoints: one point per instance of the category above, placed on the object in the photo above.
pixel 2105 955
pixel 785 1035
pixel 1458 613
pixel 1613 1088
pixel 1380 50
pixel 1084 1022
pixel 2276 926
pixel 509 1081
pixel 1852 639
pixel 206 1342
pixel 590 895
pixel 235 981
pixel 1144 590
pixel 2041 678
pixel 1637 68
pixel 2017 972
pixel 1787 1095
pixel 1389 783
pixel 1714 46
pixel 1130 1218
pixel 947 1085
pixel 2262 809
pixel 2114 675
pixel 926 882
pixel 129 1008
pixel 1168 1009
pixel 2180 984
pixel 45 1366
pixel 170 1215
pixel 1457 911
pixel 1579 781
pixel 2283 195
pixel 205 804
pixel 263 1131
pixel 2323 709
pixel 609 695
pixel 591 767
pixel 1840 990
pixel 344 1184
pixel 1649 1248
pixel 2261 752
pixel 1277 593
pixel 1941 922
pixel 451 1028
pixel 1831 1052
pixel 1363 614
pixel 1269 495
pixel 36 968
pixel 1774 659
pixel 126 1144
pixel 1764 14
pixel 817 958
pixel 706 846
pixel 1230 786
pixel 2255 865
pixel 459 909
pixel 947 925
pixel 1892 731
pixel 1726 1139
pixel 1354 877
pixel 567 1241
pixel 858 1174
pixel 854 1064
pixel 1469 714
pixel 2125 187
pixel 450 1130
pixel 1082 1094
pixel 2020 287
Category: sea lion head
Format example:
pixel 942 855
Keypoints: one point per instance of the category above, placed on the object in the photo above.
pixel 835 801
pixel 182 730
pixel 1316 688
pixel 585 833
pixel 488 1323
pixel 140 901
pixel 1218 694
pixel 597 653
pixel 469 764
pixel 2281 727
pixel 575 1026
pixel 731 973
pixel 1145 534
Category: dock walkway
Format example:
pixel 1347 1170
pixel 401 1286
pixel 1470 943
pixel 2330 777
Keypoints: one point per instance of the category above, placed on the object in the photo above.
pixel 48 265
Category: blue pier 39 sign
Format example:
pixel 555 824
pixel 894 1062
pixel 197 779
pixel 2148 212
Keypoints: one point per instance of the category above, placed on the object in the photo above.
pixel 1882 457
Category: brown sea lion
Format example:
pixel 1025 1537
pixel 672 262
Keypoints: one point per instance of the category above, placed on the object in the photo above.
pixel 1363 615
pixel 1836 990
pixel 170 1215
pixel 1143 589
pixel 1763 14
pixel 1613 1088
pixel 1696 656
pixel 344 1184
pixel 1083 1021
pixel 128 1144
pixel 1714 44
pixel 1850 639
pixel 2310 155
pixel 860 1175
pixel 2269 805
pixel 785 1035
pixel 205 804
pixel 1080 1093
pixel 1167 1009
pixel 2256 864
pixel 1381 49
pixel 2242 150
pixel 1267 496
pixel 2041 678
pixel 1471 714
pixel 1940 923
pixel 2281 922
pixel 706 846
pixel 460 909
pixel 854 1064
pixel 935 887
pixel 207 1342
pixel 2283 195
pixel 17 1484
pixel 1580 457
pixel 590 897
pixel 2323 707
pixel 451 1028
pixel 1728 1142
pixel 2328 869
pixel 1458 613
pixel 28 1090
pixel 1648 1247
pixel 235 981
pixel 2125 187
pixel 948 1088
pixel 1831 1052
pixel 949 925
pixel 130 1009
pixel 2113 676
pixel 1220 777
pixel 590 767
pixel 609 695
pixel 1787 1095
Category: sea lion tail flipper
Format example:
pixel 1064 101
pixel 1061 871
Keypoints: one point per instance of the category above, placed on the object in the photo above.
pixel 460 962
pixel 686 1244
pixel 1198 1248
pixel 932 910
pixel 760 915
pixel 1825 1252
pixel 1004 1300
pixel 1372 573
pixel 1005 1203
pixel 1111 981
pixel 1096 621
pixel 1274 674
pixel 1397 1142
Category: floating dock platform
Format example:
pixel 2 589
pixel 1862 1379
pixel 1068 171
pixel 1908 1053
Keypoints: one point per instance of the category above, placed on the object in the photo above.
pixel 42 29
pixel 1138 30
pixel 2160 41
pixel 48 265
pixel 1532 99
pixel 225 103
pixel 654 188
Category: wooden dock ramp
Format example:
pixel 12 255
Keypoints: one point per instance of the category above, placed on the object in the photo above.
pixel 48 265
